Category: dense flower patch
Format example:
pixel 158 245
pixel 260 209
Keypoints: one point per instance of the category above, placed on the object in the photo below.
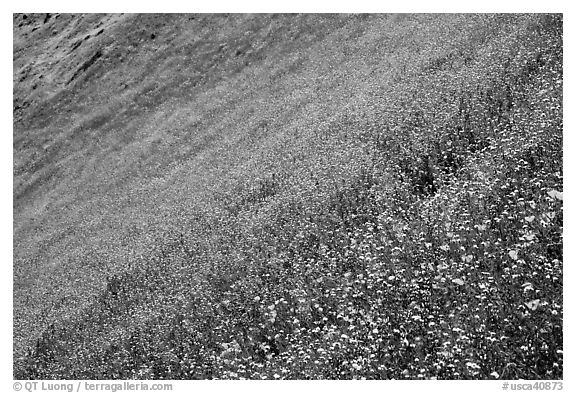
pixel 423 241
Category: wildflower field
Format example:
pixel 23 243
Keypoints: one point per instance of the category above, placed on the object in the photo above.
pixel 288 197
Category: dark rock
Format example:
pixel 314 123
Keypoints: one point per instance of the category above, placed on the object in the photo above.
pixel 86 65
pixel 75 46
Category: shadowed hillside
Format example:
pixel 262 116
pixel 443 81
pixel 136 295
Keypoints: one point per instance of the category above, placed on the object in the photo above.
pixel 287 196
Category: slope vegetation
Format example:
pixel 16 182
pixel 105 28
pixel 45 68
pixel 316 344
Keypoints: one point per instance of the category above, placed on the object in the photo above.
pixel 288 196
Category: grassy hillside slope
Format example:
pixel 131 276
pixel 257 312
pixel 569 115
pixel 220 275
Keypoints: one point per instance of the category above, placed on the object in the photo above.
pixel 284 196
